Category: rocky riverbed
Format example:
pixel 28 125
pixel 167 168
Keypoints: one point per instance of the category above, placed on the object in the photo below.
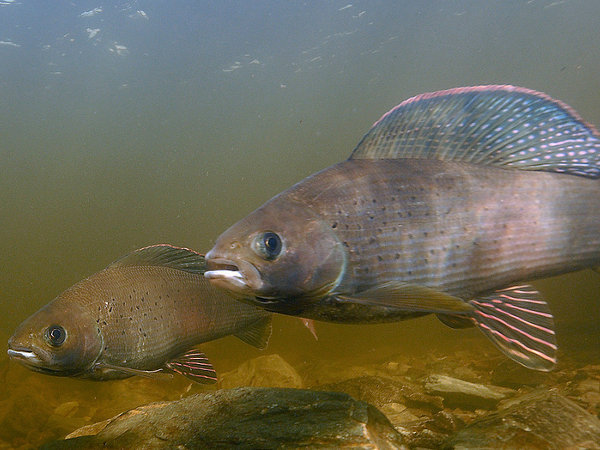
pixel 466 398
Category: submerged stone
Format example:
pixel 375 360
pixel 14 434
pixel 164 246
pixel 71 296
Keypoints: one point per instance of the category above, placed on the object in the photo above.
pixel 541 419
pixel 463 394
pixel 264 371
pixel 246 418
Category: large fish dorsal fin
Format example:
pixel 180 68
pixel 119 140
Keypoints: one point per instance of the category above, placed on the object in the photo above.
pixel 488 125
pixel 164 255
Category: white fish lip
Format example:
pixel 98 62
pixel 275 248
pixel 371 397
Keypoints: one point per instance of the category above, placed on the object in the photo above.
pixel 239 277
pixel 232 278
pixel 25 356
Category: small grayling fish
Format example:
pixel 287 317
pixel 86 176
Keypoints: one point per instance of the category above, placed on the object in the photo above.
pixel 141 315
pixel 448 203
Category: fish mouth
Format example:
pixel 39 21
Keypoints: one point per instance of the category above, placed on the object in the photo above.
pixel 27 357
pixel 239 277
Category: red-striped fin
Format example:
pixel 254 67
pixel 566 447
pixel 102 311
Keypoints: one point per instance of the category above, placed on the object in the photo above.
pixel 195 365
pixel 520 323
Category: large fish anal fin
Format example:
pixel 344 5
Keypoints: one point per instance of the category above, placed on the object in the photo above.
pixel 487 125
pixel 257 334
pixel 409 297
pixel 519 322
pixel 164 255
pixel 194 365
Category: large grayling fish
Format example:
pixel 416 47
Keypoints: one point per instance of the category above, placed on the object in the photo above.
pixel 449 203
pixel 141 315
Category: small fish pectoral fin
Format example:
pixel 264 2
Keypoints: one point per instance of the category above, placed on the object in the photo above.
pixel 155 374
pixel 454 321
pixel 257 334
pixel 164 255
pixel 520 323
pixel 409 297
pixel 194 365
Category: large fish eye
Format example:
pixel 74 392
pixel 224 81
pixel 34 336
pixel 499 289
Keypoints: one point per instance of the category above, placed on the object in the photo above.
pixel 55 335
pixel 268 245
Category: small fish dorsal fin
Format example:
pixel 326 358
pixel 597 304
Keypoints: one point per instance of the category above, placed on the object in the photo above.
pixel 487 125
pixel 164 255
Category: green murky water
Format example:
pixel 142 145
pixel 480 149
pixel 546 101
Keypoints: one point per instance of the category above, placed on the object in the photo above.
pixel 132 123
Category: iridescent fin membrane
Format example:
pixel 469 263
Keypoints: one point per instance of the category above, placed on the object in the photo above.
pixel 194 365
pixel 164 255
pixel 409 297
pixel 520 323
pixel 257 334
pixel 487 125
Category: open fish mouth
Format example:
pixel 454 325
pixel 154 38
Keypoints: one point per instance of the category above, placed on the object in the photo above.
pixel 240 278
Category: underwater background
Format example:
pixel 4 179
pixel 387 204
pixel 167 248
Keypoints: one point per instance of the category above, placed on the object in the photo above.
pixel 125 124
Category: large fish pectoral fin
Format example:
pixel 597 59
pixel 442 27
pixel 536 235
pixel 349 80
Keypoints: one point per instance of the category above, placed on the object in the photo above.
pixel 521 325
pixel 454 321
pixel 194 365
pixel 257 334
pixel 409 297
pixel 155 374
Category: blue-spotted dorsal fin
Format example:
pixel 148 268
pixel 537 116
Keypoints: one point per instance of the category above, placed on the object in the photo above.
pixel 164 255
pixel 487 125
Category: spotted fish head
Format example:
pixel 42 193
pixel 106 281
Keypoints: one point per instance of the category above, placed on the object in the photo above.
pixel 279 257
pixel 60 339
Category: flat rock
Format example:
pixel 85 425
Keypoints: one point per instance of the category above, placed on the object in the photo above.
pixel 381 391
pixel 264 371
pixel 245 418
pixel 463 394
pixel 540 419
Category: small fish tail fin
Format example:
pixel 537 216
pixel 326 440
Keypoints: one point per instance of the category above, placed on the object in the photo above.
pixel 497 125
pixel 194 365
pixel 521 325
pixel 257 334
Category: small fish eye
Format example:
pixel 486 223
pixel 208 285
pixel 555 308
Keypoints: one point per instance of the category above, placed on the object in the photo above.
pixel 268 245
pixel 56 335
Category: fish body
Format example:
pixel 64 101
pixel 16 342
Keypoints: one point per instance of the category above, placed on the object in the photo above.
pixel 141 315
pixel 449 203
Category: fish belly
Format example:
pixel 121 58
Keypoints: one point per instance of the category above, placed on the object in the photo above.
pixel 461 228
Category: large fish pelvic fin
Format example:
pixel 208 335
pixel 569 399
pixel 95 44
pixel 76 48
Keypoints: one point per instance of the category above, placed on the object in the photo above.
pixel 521 325
pixel 504 126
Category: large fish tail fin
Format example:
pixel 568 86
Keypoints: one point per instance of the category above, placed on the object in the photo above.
pixel 504 126
pixel 521 325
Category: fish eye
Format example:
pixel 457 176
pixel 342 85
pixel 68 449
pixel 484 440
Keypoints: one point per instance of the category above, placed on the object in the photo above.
pixel 268 245
pixel 55 335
